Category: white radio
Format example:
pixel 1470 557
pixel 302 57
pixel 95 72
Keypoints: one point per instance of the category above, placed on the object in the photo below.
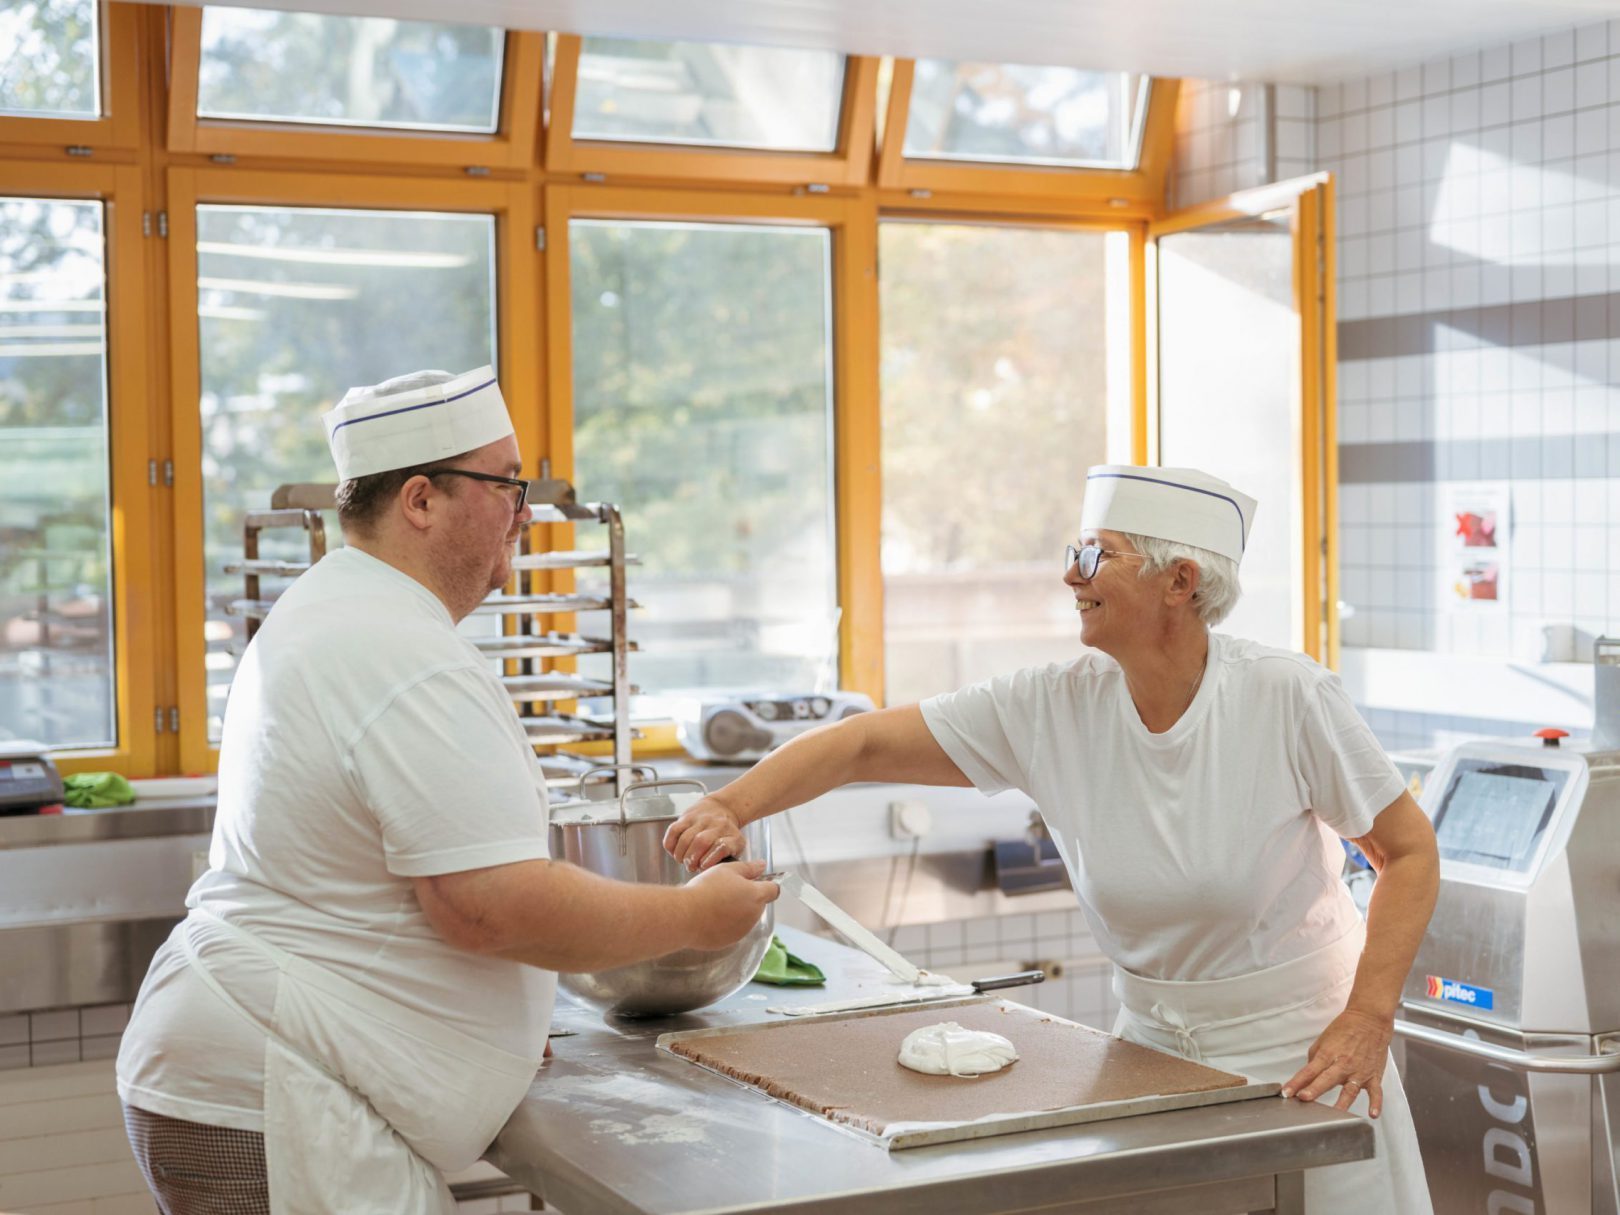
pixel 746 725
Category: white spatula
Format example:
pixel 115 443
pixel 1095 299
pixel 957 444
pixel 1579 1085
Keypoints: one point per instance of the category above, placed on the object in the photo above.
pixel 848 927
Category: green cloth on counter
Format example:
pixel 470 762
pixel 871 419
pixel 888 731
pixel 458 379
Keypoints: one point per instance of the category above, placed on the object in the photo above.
pixel 97 790
pixel 787 970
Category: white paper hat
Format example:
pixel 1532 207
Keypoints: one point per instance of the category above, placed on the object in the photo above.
pixel 415 419
pixel 1179 504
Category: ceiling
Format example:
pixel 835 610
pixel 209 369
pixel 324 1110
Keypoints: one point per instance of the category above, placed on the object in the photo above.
pixel 1283 41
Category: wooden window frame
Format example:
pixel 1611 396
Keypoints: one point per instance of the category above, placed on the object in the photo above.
pixel 511 147
pixel 1131 193
pixel 852 223
pixel 119 126
pixel 516 299
pixel 849 164
pixel 134 572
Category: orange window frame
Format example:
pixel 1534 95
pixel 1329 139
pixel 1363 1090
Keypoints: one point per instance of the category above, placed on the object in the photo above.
pixel 513 146
pixel 119 125
pixel 129 446
pixel 1131 193
pixel 857 489
pixel 849 164
pixel 516 302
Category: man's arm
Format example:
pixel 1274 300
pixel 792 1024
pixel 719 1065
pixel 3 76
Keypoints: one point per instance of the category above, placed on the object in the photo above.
pixel 560 917
pixel 888 745
pixel 1352 1049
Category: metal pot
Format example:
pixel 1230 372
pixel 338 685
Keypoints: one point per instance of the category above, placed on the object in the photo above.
pixel 626 842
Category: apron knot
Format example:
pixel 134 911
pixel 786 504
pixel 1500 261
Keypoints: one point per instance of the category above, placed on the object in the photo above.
pixel 1186 1043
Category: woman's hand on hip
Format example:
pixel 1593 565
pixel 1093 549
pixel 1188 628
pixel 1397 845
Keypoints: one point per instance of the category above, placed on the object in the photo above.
pixel 705 835
pixel 1348 1055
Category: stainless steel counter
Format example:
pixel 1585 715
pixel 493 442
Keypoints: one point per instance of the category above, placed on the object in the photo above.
pixel 611 1127
pixel 87 896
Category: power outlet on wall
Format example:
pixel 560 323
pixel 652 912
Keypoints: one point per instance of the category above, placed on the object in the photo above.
pixel 909 819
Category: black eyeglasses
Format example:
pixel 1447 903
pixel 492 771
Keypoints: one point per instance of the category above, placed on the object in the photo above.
pixel 517 483
pixel 1090 557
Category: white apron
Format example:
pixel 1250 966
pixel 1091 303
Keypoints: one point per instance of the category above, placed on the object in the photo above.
pixel 366 1103
pixel 1262 1026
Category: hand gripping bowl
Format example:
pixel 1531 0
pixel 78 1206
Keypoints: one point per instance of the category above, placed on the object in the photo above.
pixel 625 841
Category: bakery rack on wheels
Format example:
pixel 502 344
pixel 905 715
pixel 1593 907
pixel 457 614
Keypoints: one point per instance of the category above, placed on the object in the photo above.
pixel 537 659
pixel 540 658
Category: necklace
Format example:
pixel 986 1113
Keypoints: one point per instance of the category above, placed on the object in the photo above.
pixel 1192 693
pixel 1197 683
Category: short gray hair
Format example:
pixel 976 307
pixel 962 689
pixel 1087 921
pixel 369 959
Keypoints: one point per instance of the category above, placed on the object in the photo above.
pixel 1218 587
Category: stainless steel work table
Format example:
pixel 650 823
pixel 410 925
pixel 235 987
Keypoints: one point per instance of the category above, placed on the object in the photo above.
pixel 612 1127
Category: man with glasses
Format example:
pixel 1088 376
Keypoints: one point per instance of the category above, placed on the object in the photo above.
pixel 1196 786
pixel 361 993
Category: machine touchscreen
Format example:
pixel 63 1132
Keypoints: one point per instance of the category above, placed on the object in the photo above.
pixel 1494 814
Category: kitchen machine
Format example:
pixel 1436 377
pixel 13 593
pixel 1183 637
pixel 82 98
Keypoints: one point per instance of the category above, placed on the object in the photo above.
pixel 1511 1015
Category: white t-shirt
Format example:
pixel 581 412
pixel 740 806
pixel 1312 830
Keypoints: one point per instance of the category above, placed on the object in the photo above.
pixel 1204 852
pixel 365 743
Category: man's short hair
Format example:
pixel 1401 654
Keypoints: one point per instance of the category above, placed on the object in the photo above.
pixel 362 500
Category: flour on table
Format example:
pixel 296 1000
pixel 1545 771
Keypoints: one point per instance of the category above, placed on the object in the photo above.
pixel 946 1049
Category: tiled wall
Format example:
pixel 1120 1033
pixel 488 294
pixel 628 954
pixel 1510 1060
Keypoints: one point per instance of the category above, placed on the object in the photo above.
pixel 1234 135
pixel 1479 340
pixel 1078 989
pixel 62 1035
pixel 1479 337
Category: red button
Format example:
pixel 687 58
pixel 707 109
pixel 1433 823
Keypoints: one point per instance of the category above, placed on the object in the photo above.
pixel 1550 735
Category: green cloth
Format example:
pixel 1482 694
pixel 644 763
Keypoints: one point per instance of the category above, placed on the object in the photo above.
pixel 783 968
pixel 97 790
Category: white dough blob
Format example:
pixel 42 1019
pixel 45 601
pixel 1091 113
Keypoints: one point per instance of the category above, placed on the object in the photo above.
pixel 947 1049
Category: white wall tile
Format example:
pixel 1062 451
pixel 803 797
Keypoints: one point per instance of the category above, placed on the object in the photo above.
pixel 1526 97
pixel 1558 49
pixel 1526 56
pixel 1558 91
pixel 1437 76
pixel 1495 103
pixel 1591 42
pixel 1495 63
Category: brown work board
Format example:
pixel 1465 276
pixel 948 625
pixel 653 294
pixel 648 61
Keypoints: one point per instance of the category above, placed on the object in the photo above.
pixel 844 1068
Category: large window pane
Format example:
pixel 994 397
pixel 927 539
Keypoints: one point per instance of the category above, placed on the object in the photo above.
pixel 705 93
pixel 50 53
pixel 295 306
pixel 703 405
pixel 349 71
pixel 1008 113
pixel 56 648
pixel 996 399
pixel 1229 393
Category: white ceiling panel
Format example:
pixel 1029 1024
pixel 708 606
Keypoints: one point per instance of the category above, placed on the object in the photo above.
pixel 1286 41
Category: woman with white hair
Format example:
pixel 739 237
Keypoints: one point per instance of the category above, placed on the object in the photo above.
pixel 1196 786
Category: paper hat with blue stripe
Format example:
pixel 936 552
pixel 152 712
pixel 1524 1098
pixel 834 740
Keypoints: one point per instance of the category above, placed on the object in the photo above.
pixel 1178 504
pixel 415 419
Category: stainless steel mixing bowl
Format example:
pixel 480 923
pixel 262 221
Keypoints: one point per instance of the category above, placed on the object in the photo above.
pixel 625 841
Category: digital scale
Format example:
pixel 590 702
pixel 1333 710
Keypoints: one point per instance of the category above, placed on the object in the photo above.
pixel 29 780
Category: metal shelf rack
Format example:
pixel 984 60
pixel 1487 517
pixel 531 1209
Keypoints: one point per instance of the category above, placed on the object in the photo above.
pixel 528 649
